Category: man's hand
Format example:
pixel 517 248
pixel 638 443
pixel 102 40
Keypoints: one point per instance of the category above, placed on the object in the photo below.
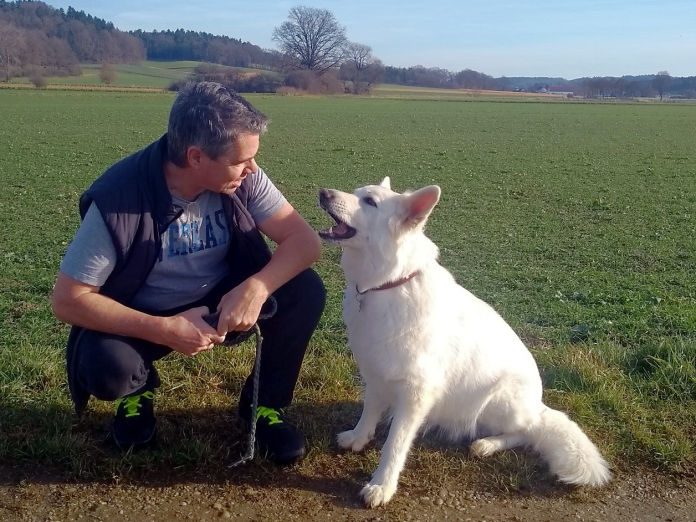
pixel 297 247
pixel 189 334
pixel 240 307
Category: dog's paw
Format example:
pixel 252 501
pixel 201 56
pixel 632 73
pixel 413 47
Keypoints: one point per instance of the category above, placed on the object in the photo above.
pixel 350 441
pixel 376 494
pixel 481 448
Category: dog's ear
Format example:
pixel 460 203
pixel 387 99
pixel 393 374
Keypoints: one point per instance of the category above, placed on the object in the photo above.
pixel 418 205
pixel 386 183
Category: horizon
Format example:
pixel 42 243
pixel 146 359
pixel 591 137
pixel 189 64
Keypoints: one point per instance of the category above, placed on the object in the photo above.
pixel 587 38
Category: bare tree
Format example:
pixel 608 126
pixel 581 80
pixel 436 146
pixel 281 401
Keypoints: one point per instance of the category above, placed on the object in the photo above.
pixel 312 39
pixel 661 83
pixel 107 73
pixel 360 67
pixel 38 79
pixel 360 55
pixel 11 48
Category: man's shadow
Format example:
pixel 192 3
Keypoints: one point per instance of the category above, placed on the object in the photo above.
pixel 49 445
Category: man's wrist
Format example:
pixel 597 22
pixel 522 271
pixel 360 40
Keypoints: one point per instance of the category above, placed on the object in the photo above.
pixel 155 329
pixel 259 285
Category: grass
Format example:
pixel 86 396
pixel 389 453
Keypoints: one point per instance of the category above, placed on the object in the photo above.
pixel 147 74
pixel 576 221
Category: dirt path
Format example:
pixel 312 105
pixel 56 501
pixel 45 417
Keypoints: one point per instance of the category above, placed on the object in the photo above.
pixel 292 495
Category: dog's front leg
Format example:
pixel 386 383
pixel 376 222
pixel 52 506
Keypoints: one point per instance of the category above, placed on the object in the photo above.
pixel 409 414
pixel 373 407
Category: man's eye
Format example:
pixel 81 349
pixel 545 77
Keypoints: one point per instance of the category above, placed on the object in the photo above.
pixel 370 201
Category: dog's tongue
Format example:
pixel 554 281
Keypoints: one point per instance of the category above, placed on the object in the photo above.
pixel 339 229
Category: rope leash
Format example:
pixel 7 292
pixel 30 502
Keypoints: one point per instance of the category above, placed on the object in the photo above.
pixel 212 320
pixel 251 441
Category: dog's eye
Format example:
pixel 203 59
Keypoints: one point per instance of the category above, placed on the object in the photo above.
pixel 368 200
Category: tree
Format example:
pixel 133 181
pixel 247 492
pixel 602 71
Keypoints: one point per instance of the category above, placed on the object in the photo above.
pixel 11 48
pixel 360 68
pixel 107 73
pixel 469 79
pixel 38 80
pixel 358 57
pixel 312 39
pixel 661 83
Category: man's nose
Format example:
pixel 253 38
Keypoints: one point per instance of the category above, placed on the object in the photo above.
pixel 252 167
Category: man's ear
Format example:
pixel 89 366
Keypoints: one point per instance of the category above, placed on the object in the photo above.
pixel 386 183
pixel 193 156
pixel 418 205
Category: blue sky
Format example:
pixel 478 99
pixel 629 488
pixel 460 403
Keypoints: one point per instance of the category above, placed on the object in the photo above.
pixel 558 38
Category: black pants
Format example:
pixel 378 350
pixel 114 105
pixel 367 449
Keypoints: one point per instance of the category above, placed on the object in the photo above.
pixel 112 366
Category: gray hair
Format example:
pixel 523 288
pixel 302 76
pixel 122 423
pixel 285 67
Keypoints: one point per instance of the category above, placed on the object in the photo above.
pixel 210 116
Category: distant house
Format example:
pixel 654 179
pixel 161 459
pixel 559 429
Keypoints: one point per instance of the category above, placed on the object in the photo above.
pixel 560 89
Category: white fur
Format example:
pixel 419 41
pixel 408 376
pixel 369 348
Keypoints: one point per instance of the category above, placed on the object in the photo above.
pixel 431 354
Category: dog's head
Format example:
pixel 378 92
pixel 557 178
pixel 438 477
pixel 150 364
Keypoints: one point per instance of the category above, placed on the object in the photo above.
pixel 375 213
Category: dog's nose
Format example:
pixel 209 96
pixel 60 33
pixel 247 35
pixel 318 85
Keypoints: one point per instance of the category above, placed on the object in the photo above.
pixel 325 194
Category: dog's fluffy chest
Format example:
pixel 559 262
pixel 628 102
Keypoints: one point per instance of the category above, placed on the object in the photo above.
pixel 385 332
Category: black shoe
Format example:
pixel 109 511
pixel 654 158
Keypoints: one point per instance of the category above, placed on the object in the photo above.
pixel 134 423
pixel 275 437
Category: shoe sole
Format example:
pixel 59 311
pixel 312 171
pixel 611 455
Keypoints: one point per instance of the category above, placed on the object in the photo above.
pixel 281 460
pixel 135 445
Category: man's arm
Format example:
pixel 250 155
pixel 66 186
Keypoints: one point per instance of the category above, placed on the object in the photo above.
pixel 82 305
pixel 298 247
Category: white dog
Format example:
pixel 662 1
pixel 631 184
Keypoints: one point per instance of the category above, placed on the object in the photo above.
pixel 431 353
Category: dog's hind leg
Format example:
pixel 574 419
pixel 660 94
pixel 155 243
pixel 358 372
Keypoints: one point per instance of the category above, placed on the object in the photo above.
pixel 408 417
pixel 373 408
pixel 487 446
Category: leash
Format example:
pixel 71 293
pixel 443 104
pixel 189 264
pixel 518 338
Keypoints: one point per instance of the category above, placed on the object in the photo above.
pixel 233 340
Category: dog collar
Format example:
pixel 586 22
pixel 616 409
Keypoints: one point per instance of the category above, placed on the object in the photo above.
pixel 389 284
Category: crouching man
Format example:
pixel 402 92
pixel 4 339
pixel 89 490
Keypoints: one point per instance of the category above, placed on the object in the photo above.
pixel 171 234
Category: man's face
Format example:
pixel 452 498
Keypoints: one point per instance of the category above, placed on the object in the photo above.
pixel 225 173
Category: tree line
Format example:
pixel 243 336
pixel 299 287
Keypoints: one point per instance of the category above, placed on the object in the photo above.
pixel 204 47
pixel 38 39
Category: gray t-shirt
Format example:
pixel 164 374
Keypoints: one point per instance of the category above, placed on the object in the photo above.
pixel 192 259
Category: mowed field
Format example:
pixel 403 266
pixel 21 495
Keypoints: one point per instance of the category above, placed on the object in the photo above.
pixel 576 221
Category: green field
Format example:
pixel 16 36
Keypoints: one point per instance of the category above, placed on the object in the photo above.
pixel 146 74
pixel 576 221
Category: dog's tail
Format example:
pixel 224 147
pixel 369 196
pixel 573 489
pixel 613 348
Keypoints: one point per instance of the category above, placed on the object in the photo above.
pixel 568 451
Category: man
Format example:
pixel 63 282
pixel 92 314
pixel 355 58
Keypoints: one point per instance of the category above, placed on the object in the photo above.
pixel 171 234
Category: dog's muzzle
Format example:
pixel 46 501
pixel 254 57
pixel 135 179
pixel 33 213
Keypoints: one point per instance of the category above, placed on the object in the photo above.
pixel 341 230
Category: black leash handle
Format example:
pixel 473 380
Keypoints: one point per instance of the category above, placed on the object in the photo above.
pixel 268 310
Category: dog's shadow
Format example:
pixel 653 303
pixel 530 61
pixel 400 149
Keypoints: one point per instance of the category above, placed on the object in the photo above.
pixel 50 445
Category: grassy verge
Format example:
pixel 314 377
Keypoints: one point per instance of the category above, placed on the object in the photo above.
pixel 576 221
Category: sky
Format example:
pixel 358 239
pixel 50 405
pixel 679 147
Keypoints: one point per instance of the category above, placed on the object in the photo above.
pixel 556 38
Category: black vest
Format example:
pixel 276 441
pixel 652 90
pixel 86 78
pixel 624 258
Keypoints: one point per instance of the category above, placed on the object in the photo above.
pixel 133 198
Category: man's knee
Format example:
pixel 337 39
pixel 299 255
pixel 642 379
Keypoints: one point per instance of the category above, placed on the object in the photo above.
pixel 309 292
pixel 300 304
pixel 109 366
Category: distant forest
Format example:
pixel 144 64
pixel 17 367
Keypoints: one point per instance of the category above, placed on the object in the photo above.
pixel 36 39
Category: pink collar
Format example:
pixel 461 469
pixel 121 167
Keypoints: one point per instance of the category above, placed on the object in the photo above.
pixel 390 284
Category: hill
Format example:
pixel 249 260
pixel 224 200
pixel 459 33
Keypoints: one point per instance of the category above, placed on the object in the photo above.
pixel 205 47
pixel 36 39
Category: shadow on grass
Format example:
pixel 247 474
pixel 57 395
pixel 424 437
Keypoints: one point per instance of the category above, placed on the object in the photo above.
pixel 196 446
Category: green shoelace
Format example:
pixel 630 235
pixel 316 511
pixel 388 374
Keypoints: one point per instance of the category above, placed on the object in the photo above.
pixel 268 413
pixel 132 404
